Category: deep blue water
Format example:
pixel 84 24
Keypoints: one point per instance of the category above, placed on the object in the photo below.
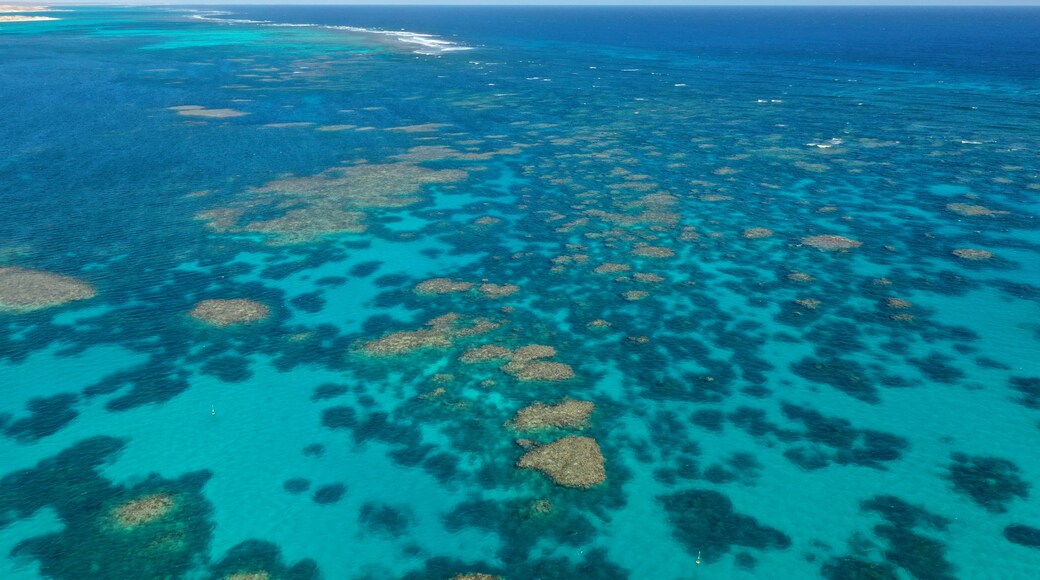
pixel 645 190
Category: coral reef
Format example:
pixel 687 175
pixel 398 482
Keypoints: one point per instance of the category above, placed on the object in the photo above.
pixel 612 268
pixel 898 303
pixel 653 252
pixel 524 363
pixel 1023 535
pixel 493 291
pixel 831 243
pixel 143 510
pixel 440 332
pixel 973 255
pixel 573 461
pixel 973 210
pixel 648 277
pixel 539 370
pixel 705 522
pixel 333 201
pixel 442 286
pixel 226 312
pixel 25 290
pixel 484 353
pixel 566 414
pixel 159 528
pixel 261 560
pixel 756 233
pixel 991 482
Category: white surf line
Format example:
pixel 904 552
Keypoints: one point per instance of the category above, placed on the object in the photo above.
pixel 429 44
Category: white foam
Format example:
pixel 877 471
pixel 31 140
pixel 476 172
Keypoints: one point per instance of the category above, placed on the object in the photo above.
pixel 825 144
pixel 428 43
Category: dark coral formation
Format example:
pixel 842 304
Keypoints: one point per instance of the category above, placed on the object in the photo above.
pixel 821 440
pixel 990 482
pixel 329 494
pixel 1023 535
pixel 1029 388
pixel 908 532
pixel 47 416
pixel 849 568
pixel 704 522
pixel 388 520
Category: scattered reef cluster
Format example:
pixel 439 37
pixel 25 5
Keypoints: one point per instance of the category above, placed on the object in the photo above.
pixel 566 318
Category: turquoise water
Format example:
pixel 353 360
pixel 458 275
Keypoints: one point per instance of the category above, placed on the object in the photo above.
pixel 764 408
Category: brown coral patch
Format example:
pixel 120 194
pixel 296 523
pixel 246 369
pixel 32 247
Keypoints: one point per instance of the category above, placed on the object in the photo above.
pixel 898 303
pixel 567 414
pixel 572 461
pixel 406 341
pixel 440 332
pixel 972 254
pixel 484 353
pixel 498 290
pixel 532 352
pixel 435 393
pixel 653 252
pixel 650 278
pixel 539 370
pixel 314 221
pixel 261 575
pixel 143 510
pixel 25 290
pixel 973 210
pixel 830 242
pixel 220 312
pixel 756 233
pixel 715 197
pixel 612 268
pixel 486 221
pixel 442 286
pixel 541 506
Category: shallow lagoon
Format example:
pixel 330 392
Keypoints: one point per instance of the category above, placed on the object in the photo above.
pixel 780 405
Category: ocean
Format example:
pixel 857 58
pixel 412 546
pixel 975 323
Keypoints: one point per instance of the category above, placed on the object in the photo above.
pixel 297 292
